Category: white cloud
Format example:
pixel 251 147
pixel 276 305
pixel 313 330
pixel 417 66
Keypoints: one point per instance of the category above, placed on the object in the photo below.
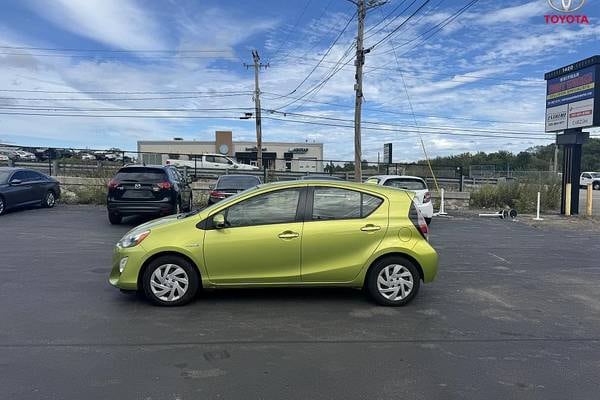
pixel 122 24
pixel 515 14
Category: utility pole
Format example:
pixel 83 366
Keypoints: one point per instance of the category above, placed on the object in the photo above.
pixel 363 6
pixel 257 66
pixel 359 62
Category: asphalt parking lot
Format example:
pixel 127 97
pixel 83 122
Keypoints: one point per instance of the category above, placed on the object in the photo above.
pixel 514 314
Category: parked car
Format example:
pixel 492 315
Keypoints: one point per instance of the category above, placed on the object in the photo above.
pixel 301 233
pixel 228 185
pixel 24 187
pixel 4 158
pixel 321 177
pixel 147 190
pixel 22 155
pixel 215 161
pixel 412 183
pixel 587 178
pixel 87 157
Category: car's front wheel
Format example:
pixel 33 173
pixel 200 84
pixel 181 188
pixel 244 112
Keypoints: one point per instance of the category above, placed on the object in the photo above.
pixel 49 199
pixel 170 281
pixel 393 281
pixel 2 205
pixel 596 186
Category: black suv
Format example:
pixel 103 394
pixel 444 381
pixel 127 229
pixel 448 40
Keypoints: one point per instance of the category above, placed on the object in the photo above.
pixel 147 190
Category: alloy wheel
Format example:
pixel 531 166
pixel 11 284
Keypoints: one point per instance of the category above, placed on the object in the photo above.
pixel 395 282
pixel 50 199
pixel 169 282
pixel 1 205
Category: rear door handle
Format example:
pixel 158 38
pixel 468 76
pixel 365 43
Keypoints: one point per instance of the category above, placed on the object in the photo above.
pixel 370 228
pixel 288 235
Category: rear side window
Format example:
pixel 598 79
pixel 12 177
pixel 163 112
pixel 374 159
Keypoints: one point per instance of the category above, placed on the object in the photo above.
pixel 152 175
pixel 335 203
pixel 237 182
pixel 406 183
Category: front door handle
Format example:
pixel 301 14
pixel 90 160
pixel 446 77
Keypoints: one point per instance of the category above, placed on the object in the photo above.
pixel 288 235
pixel 370 228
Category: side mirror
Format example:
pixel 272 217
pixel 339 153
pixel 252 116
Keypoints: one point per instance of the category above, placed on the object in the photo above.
pixel 219 221
pixel 16 182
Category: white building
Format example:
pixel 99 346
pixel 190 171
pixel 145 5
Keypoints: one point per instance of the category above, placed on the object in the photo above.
pixel 301 157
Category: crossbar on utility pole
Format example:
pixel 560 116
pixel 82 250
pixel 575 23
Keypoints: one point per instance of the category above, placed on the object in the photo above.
pixel 257 66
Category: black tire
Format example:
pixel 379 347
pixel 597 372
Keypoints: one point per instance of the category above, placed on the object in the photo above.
pixel 161 262
pixel 428 221
pixel 49 199
pixel 177 207
pixel 405 266
pixel 596 186
pixel 114 218
pixel 2 205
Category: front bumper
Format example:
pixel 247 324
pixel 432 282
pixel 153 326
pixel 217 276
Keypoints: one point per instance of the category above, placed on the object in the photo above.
pixel 128 279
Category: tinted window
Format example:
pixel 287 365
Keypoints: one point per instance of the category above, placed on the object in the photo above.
pixel 269 208
pixel 4 176
pixel 137 174
pixel 595 175
pixel 221 160
pixel 237 182
pixel 209 158
pixel 34 176
pixel 587 176
pixel 333 203
pixel 406 183
pixel 20 175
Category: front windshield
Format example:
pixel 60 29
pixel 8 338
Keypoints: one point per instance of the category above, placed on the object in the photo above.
pixel 4 176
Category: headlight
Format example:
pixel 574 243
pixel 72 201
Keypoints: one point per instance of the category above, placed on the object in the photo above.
pixel 133 239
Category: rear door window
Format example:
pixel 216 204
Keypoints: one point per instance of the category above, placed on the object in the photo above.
pixel 406 183
pixel 335 203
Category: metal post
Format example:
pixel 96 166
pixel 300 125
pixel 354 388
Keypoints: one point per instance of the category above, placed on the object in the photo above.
pixel 264 174
pixel 537 214
pixel 442 210
pixel 568 199
pixel 590 197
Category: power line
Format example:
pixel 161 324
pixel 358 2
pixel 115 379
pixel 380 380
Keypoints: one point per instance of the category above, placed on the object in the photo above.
pixel 283 42
pixel 124 98
pixel 149 57
pixel 386 37
pixel 122 92
pixel 423 126
pixel 114 51
pixel 120 116
pixel 112 109
pixel 409 131
pixel 421 115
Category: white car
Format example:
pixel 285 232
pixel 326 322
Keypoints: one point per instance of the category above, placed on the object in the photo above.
pixel 4 157
pixel 25 155
pixel 411 183
pixel 587 178
pixel 87 157
pixel 211 161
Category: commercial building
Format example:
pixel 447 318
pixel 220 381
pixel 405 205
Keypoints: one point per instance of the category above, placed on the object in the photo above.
pixel 303 157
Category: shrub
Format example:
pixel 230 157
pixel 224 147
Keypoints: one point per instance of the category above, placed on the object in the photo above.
pixel 521 196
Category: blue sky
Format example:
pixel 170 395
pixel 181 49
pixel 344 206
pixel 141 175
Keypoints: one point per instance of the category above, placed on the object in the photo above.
pixel 480 74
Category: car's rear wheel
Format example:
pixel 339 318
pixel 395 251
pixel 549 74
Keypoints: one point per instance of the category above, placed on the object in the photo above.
pixel 2 205
pixel 428 221
pixel 170 281
pixel 393 281
pixel 49 199
pixel 114 218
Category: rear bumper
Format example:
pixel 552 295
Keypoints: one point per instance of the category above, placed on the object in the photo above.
pixel 427 258
pixel 426 209
pixel 139 207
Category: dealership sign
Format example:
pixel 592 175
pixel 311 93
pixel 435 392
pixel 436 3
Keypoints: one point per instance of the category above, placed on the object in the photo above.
pixel 573 96
pixel 566 9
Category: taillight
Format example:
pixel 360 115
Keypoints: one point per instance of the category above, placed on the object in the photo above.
pixel 418 221
pixel 426 197
pixel 113 184
pixel 164 185
pixel 217 194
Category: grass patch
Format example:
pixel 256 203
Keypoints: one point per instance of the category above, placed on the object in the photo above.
pixel 520 196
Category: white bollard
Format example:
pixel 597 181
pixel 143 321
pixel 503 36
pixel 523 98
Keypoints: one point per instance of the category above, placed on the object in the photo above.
pixel 537 214
pixel 442 211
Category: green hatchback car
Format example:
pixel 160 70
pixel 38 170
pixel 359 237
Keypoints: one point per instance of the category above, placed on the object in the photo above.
pixel 302 233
